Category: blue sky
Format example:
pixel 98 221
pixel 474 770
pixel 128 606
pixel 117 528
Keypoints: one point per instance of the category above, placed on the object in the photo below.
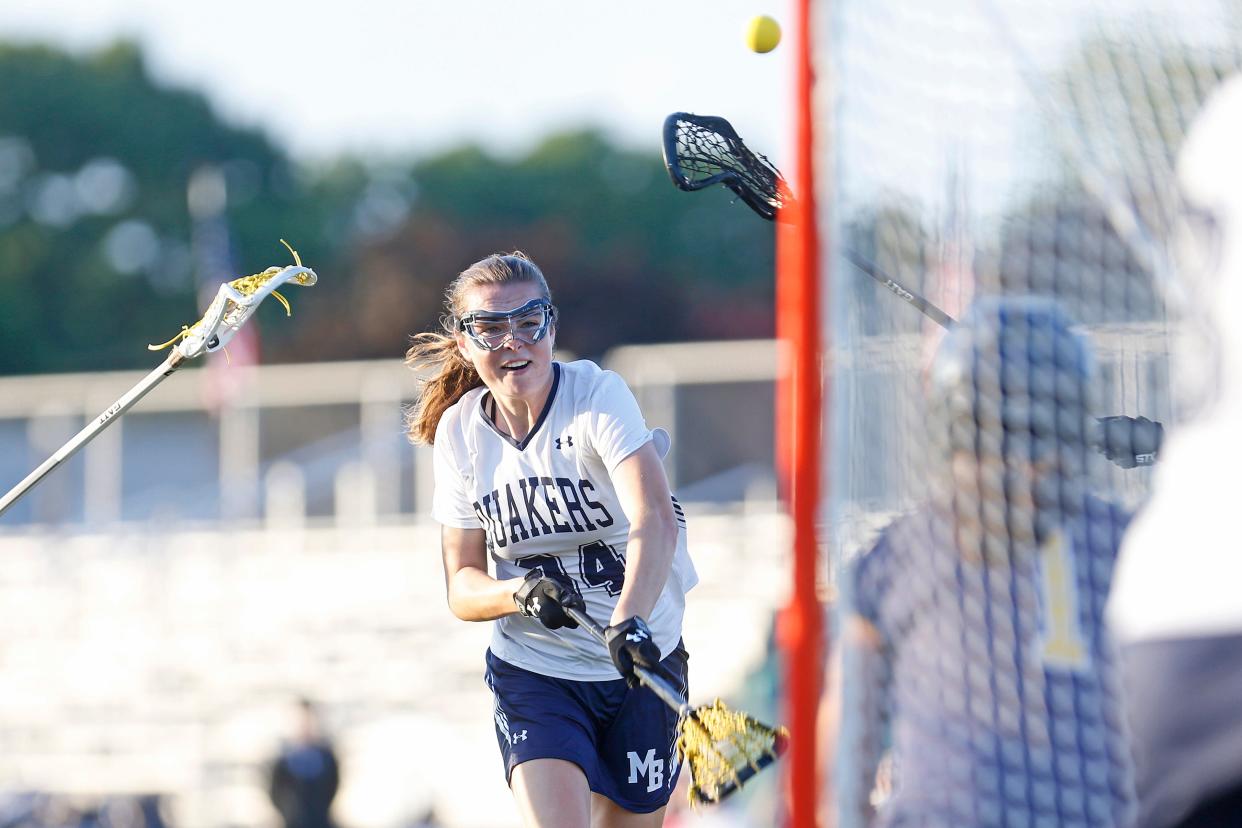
pixel 389 78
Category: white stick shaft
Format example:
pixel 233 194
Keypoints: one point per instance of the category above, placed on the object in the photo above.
pixel 97 425
pixel 652 679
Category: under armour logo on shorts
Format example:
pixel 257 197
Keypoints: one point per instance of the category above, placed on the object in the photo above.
pixel 566 441
pixel 518 737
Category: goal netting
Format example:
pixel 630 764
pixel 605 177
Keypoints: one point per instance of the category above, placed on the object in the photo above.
pixel 978 478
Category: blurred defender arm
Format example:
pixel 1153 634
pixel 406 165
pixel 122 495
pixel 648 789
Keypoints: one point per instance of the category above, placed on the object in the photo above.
pixel 860 650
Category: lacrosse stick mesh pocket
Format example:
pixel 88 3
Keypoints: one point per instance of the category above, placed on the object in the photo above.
pixel 724 748
pixel 706 151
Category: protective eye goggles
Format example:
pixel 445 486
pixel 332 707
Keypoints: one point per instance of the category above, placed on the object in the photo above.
pixel 491 330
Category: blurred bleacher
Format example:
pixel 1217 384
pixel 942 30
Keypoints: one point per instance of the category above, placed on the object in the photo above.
pixel 167 593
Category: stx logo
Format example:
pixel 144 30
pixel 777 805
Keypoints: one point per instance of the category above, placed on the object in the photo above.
pixel 899 290
pixel 647 766
pixel 564 442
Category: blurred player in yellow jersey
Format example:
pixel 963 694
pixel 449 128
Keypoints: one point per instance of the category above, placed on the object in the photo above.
pixel 973 646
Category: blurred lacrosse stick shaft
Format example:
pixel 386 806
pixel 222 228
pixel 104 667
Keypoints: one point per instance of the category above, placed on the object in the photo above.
pixel 235 302
pixel 97 425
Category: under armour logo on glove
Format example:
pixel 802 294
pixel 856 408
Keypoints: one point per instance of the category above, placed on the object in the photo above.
pixel 630 645
pixel 545 597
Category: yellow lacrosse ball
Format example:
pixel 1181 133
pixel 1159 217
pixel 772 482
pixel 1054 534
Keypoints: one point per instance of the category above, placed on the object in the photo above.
pixel 762 34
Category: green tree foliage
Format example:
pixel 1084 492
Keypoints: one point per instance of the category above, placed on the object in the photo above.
pixel 98 253
pixel 629 258
pixel 94 231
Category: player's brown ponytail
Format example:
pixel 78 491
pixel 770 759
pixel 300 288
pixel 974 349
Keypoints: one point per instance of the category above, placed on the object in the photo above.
pixel 435 354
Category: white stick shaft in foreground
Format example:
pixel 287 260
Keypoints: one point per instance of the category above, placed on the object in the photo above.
pixel 97 425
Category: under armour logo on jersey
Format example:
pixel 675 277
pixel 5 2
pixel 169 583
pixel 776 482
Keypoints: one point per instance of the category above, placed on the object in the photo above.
pixel 564 442
pixel 637 636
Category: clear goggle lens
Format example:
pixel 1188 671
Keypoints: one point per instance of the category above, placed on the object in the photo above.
pixel 491 330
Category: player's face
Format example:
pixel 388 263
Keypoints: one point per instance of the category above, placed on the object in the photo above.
pixel 1013 497
pixel 518 369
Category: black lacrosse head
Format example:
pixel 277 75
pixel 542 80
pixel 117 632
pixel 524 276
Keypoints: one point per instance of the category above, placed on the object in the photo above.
pixel 702 150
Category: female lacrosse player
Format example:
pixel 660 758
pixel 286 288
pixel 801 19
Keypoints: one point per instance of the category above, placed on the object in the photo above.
pixel 548 469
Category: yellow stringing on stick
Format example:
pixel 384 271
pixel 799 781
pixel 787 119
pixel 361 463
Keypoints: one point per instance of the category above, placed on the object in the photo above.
pixel 717 743
pixel 246 286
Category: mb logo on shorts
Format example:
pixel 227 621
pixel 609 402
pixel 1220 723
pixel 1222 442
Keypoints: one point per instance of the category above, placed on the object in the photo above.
pixel 648 766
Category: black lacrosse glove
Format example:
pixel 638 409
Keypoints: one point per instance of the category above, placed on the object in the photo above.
pixel 545 597
pixel 1129 441
pixel 629 643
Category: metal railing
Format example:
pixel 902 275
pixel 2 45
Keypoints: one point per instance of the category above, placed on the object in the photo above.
pixel 326 441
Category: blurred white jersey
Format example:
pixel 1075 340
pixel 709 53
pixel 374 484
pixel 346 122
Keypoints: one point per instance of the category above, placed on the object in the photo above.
pixel 1175 605
pixel 1179 566
pixel 548 502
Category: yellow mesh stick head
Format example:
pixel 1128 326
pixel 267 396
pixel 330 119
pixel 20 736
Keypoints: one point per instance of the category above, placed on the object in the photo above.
pixel 249 285
pixel 724 748
pixel 234 303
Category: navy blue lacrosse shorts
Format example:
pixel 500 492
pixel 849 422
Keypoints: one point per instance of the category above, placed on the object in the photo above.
pixel 622 739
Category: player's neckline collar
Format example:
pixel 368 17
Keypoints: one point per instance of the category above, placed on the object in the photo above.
pixel 521 445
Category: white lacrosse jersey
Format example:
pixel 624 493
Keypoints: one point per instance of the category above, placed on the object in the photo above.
pixel 548 502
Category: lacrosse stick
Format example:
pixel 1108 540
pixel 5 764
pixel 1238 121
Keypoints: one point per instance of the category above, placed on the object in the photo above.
pixel 724 748
pixel 233 305
pixel 702 150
